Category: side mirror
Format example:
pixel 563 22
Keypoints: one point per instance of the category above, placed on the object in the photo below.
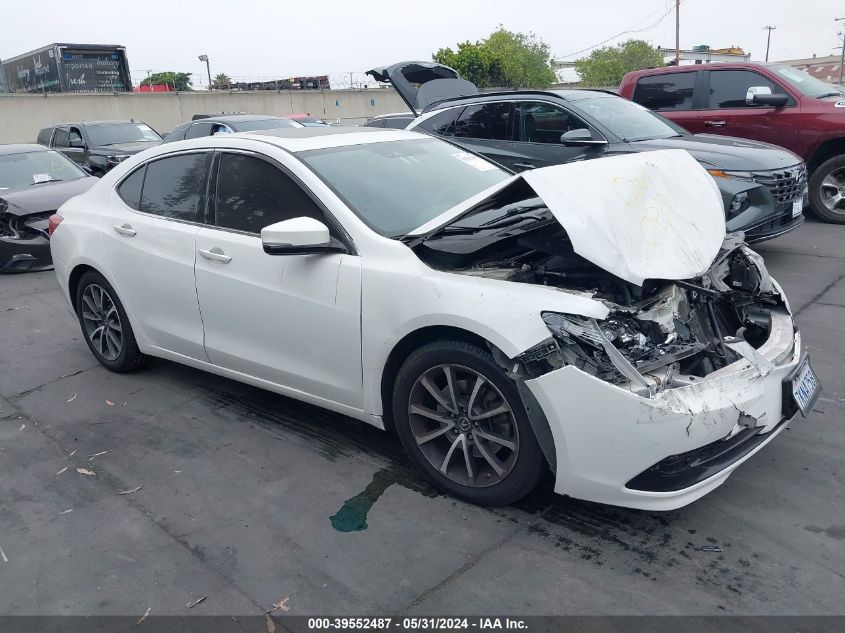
pixel 762 95
pixel 580 138
pixel 76 143
pixel 299 236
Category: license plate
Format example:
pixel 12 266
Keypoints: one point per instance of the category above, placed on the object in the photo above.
pixel 806 387
pixel 797 207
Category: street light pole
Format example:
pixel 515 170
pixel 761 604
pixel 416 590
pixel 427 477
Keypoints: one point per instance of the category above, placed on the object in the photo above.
pixel 842 56
pixel 677 32
pixel 768 39
pixel 204 58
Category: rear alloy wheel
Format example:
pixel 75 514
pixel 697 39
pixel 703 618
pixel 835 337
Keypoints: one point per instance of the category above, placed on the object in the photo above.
pixel 461 420
pixel 827 190
pixel 105 324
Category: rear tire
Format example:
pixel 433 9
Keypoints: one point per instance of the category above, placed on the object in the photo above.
pixel 827 190
pixel 462 423
pixel 105 325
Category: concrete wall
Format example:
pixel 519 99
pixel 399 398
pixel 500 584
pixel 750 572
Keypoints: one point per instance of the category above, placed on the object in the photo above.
pixel 22 116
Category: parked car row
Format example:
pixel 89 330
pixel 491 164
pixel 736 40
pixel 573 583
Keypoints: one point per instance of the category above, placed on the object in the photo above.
pixel 399 279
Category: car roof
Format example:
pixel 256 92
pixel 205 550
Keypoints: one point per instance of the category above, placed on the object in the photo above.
pixel 297 139
pixel 573 94
pixel 235 118
pixel 91 123
pixel 22 148
pixel 394 115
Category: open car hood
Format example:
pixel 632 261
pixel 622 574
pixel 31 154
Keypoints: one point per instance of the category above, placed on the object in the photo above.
pixel 651 215
pixel 423 83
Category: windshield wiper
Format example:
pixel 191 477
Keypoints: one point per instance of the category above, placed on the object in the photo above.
pixel 42 182
pixel 828 94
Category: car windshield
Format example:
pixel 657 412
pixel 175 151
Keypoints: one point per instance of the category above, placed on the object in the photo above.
pixel 805 83
pixel 397 186
pixel 628 120
pixel 34 168
pixel 265 124
pixel 116 133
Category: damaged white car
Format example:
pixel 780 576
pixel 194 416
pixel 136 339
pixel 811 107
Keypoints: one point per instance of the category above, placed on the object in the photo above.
pixel 590 318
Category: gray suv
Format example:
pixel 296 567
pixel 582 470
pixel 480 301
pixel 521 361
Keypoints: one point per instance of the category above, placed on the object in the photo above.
pixel 525 129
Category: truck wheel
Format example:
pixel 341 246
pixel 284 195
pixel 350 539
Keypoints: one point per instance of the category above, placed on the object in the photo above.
pixel 462 423
pixel 827 190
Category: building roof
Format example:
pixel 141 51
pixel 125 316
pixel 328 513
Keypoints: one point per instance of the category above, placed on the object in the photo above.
pixel 826 68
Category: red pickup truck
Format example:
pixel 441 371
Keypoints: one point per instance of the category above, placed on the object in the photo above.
pixel 764 102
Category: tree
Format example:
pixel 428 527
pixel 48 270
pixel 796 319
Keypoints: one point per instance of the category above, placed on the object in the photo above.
pixel 607 65
pixel 221 81
pixel 502 59
pixel 179 81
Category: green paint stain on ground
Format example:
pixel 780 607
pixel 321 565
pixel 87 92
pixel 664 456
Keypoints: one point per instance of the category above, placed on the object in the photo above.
pixel 352 516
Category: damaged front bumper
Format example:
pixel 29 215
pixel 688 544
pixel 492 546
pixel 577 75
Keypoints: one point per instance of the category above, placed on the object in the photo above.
pixel 26 253
pixel 661 451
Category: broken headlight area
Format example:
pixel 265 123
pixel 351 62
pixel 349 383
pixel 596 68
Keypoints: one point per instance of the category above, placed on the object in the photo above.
pixel 676 332
pixel 21 228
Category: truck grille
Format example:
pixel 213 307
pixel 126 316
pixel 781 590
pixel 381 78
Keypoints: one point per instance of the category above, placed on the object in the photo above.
pixel 786 185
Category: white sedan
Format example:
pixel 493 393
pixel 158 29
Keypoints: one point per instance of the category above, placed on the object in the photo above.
pixel 591 318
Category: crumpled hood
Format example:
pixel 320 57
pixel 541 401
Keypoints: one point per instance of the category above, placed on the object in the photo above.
pixel 651 215
pixel 726 152
pixel 47 196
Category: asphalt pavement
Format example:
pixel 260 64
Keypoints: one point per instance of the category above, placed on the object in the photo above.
pixel 248 498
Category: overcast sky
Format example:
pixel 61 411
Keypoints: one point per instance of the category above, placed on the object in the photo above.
pixel 255 39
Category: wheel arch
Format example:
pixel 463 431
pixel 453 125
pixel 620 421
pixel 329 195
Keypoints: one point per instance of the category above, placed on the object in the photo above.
pixel 827 150
pixel 407 345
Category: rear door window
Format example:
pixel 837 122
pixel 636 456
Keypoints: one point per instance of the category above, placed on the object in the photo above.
pixel 728 88
pixel 60 137
pixel 253 193
pixel 488 121
pixel 666 91
pixel 172 186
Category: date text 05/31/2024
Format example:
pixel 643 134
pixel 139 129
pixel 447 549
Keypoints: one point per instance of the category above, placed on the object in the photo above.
pixel 417 623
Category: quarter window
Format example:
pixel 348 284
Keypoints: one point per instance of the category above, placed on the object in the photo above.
pixel 545 123
pixel 728 88
pixel 252 194
pixel 130 189
pixel 666 91
pixel 172 186
pixel 442 123
pixel 484 121
pixel 198 129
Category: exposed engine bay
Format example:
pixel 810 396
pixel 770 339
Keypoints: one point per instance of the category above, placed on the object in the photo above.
pixel 661 334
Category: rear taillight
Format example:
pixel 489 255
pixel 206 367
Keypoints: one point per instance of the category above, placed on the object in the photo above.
pixel 53 222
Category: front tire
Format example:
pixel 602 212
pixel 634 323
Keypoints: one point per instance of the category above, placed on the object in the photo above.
pixel 105 325
pixel 827 190
pixel 462 423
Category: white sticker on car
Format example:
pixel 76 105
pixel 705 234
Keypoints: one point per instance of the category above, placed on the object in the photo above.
pixel 474 161
pixel 36 178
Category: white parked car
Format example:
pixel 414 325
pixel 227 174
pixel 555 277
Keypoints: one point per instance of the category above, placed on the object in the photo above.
pixel 591 318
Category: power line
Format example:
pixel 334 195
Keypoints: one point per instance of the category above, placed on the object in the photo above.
pixel 628 30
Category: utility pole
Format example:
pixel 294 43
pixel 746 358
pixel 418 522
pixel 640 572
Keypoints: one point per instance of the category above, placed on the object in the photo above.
pixel 204 58
pixel 769 39
pixel 842 56
pixel 677 32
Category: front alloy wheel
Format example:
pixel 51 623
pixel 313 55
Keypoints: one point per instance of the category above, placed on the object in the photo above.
pixel 462 422
pixel 463 425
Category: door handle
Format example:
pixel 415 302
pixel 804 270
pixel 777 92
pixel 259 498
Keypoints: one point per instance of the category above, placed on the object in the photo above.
pixel 715 123
pixel 524 165
pixel 125 229
pixel 216 254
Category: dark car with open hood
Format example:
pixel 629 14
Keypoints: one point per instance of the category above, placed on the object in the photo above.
pixel 34 182
pixel 763 187
pixel 97 146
